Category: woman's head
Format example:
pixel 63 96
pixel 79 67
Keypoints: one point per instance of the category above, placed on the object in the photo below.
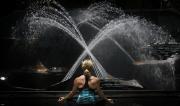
pixel 87 64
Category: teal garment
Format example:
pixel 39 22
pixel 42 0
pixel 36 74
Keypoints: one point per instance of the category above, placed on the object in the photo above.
pixel 86 96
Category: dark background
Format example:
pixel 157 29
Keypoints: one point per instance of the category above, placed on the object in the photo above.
pixel 165 13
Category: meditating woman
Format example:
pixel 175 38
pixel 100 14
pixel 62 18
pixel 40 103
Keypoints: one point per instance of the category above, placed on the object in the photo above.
pixel 88 86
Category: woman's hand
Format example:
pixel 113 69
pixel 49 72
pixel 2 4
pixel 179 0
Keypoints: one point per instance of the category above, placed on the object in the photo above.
pixel 61 99
pixel 110 101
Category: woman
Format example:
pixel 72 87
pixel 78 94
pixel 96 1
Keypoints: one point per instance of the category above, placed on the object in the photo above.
pixel 87 85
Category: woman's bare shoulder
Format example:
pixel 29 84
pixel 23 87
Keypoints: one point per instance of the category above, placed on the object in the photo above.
pixel 79 78
pixel 95 78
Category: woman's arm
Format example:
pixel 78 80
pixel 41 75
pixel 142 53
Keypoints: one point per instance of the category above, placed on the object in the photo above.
pixel 70 94
pixel 101 93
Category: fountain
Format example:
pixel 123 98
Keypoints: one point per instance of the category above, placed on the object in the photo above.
pixel 113 40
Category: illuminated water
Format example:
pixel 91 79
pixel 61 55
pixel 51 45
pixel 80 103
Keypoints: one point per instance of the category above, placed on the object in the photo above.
pixel 115 42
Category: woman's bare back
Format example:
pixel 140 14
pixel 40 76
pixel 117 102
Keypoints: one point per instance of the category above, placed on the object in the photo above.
pixel 92 83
